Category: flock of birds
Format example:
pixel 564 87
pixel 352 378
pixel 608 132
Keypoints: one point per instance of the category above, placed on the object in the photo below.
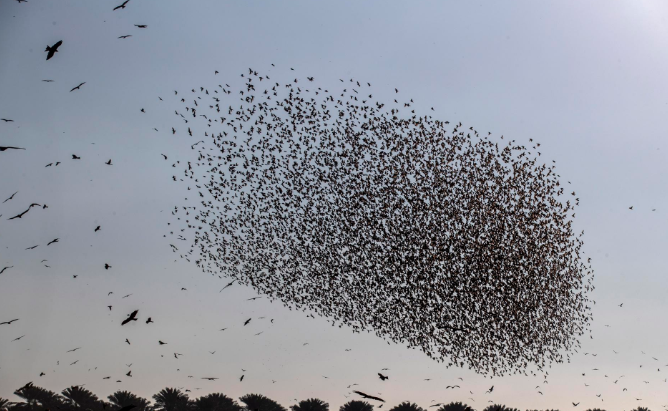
pixel 429 234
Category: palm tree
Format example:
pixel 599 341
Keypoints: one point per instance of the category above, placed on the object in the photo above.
pixel 120 399
pixel 595 409
pixel 216 402
pixel 36 397
pixel 455 406
pixel 497 407
pixel 407 406
pixel 312 404
pixel 258 402
pixel 641 409
pixel 172 399
pixel 356 405
pixel 77 397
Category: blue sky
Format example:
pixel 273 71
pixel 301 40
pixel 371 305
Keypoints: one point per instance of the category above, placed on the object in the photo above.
pixel 586 80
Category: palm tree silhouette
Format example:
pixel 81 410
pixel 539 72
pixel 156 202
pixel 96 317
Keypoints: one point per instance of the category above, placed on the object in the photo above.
pixel 171 399
pixel 356 405
pixel 497 407
pixel 216 402
pixel 77 397
pixel 312 404
pixel 456 406
pixel 641 409
pixel 258 402
pixel 120 399
pixel 407 406
pixel 36 398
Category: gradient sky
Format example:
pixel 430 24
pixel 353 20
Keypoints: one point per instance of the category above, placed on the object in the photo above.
pixel 586 79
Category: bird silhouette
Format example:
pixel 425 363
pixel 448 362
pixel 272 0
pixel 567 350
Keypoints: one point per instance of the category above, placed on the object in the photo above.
pixel 131 317
pixel 51 50
pixel 122 6
pixel 77 87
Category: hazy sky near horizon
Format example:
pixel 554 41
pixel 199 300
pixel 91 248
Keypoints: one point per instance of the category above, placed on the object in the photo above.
pixel 586 80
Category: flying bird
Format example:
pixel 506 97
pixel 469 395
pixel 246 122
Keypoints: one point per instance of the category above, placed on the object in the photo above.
pixel 367 396
pixel 9 198
pixel 53 49
pixel 122 6
pixel 9 322
pixel 77 87
pixel 141 26
pixel 131 317
pixel 11 148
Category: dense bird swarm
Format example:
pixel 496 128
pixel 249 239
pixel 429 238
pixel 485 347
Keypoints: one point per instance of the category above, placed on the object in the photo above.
pixel 428 234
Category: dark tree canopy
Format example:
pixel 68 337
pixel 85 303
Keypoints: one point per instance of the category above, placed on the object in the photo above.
pixel 356 405
pixel 429 234
pixel 217 402
pixel 497 407
pixel 171 399
pixel 455 406
pixel 258 402
pixel 120 399
pixel 312 404
pixel 407 406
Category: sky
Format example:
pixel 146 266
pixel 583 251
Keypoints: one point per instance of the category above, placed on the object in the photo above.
pixel 586 80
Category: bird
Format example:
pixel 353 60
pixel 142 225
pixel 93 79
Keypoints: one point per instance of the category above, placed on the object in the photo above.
pixel 122 6
pixel 131 317
pixel 141 26
pixel 77 87
pixel 48 81
pixel 9 322
pixel 10 197
pixel 242 378
pixel 127 341
pixel 7 120
pixel 229 284
pixel 107 266
pixel 51 50
pixel 490 390
pixel 149 320
pixel 129 373
pixel 382 377
pixel 367 396
pixel 5 148
pixel 125 36
pixel 16 339
pixel 210 378
pixel 55 240
pixel 74 349
pixel 161 343
pixel 20 215
pixel 97 229
pixel 108 163
pixel 247 321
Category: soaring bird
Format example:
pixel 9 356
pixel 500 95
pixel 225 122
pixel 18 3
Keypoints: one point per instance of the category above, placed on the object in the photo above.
pixel 53 49
pixel 122 6
pixel 77 87
pixel 131 317
pixel 9 322
pixel 367 396
pixel 11 148
pixel 55 240
pixel 9 198
pixel 382 377
pixel 141 26
pixel 23 213
pixel 6 120
pixel 125 36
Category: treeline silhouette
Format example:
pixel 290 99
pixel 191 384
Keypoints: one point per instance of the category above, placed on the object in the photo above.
pixel 76 398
